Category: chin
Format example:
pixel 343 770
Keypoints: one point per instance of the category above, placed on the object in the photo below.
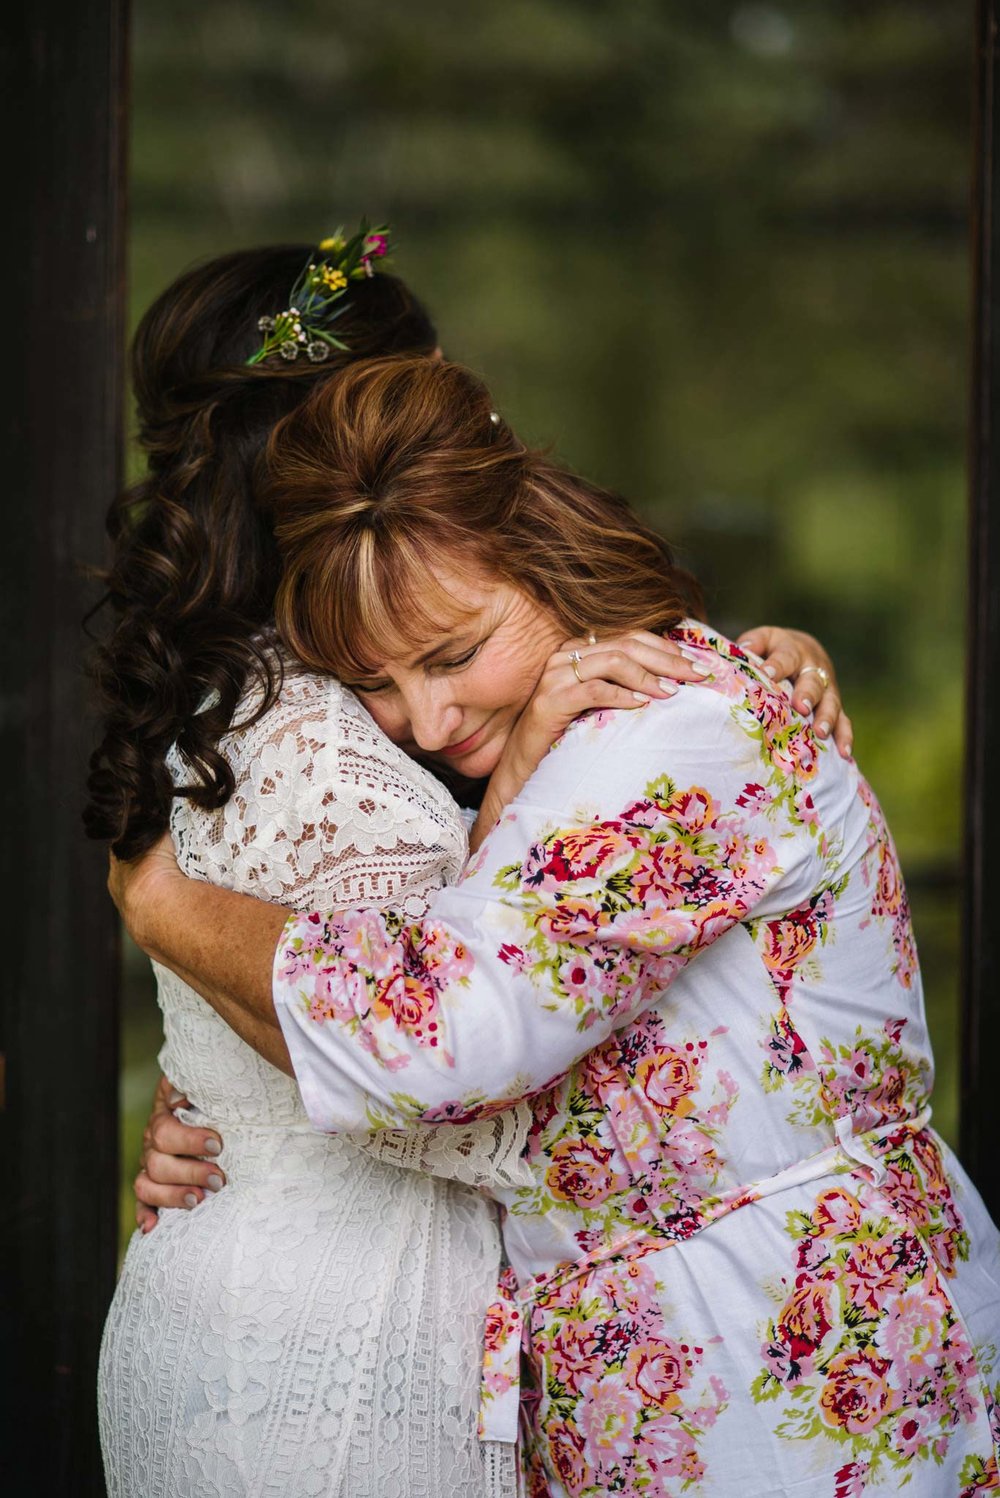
pixel 478 766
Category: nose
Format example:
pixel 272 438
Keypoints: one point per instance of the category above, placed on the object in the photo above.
pixel 435 716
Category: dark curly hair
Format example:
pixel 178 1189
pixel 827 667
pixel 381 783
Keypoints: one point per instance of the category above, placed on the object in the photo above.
pixel 194 566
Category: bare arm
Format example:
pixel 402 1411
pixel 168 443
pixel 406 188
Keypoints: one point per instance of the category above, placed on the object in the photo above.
pixel 178 921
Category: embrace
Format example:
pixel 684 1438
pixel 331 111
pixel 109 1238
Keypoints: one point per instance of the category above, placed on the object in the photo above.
pixel 577 1143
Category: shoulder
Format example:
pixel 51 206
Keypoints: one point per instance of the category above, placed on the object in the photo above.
pixel 734 729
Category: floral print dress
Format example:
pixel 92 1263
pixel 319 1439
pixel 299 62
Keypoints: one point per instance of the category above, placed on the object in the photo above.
pixel 745 1263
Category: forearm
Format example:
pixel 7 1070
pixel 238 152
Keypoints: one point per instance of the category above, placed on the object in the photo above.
pixel 222 944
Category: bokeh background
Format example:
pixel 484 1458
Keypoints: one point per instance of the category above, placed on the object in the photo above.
pixel 716 254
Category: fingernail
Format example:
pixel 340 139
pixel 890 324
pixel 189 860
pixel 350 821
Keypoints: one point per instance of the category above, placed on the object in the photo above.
pixel 822 729
pixel 770 671
pixel 175 1097
pixel 212 1146
pixel 666 685
pixel 695 663
pixel 848 749
pixel 641 697
pixel 215 1183
pixel 190 1200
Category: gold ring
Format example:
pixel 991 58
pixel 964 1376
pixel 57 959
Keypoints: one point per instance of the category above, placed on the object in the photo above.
pixel 574 659
pixel 823 675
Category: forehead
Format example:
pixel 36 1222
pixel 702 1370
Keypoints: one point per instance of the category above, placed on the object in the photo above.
pixel 439 603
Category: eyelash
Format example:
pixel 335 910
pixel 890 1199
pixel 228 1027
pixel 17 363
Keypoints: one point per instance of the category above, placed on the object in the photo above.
pixel 464 660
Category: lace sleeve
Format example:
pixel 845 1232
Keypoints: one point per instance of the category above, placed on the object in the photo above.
pixel 326 811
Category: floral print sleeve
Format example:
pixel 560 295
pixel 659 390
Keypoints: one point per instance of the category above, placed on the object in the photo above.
pixel 642 839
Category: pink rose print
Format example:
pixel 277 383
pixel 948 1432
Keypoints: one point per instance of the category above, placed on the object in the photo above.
pixel 607 1418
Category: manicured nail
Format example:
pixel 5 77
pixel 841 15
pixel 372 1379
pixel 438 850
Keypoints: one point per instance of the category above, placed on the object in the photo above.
pixel 190 1200
pixel 666 685
pixel 174 1098
pixel 695 663
pixel 848 749
pixel 641 697
pixel 770 671
pixel 822 728
pixel 215 1183
pixel 212 1146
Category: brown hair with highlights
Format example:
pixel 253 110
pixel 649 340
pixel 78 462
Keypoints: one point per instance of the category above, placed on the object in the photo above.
pixel 400 463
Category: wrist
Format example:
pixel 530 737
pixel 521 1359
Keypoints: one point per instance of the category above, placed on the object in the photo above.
pixel 145 894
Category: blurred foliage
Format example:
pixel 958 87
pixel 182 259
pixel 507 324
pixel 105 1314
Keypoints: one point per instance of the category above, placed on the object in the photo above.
pixel 715 254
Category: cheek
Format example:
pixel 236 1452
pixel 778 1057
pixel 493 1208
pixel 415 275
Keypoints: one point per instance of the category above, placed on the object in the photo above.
pixel 389 714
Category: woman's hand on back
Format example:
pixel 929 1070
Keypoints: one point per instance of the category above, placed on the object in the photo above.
pixel 583 675
pixel 173 1171
pixel 586 674
pixel 791 654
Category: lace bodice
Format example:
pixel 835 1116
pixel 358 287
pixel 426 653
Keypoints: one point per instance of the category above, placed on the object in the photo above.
pixel 325 811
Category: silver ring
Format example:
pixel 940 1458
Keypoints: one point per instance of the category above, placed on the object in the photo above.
pixel 574 659
pixel 823 674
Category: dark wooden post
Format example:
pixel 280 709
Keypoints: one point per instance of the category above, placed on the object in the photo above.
pixel 64 110
pixel 981 1011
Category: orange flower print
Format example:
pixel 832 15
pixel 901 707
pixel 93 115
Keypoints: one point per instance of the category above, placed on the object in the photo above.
pixel 808 1317
pixel 668 1078
pixel 788 942
pixel 658 1369
pixel 693 810
pixel 581 1172
pixel 409 1003
pixel 856 1395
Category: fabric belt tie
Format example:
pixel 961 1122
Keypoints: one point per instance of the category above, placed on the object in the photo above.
pixel 508 1318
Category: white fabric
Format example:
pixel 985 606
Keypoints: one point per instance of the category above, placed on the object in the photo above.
pixel 316 1327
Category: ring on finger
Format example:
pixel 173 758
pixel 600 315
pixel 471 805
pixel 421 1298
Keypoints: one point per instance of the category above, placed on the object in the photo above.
pixel 574 659
pixel 819 671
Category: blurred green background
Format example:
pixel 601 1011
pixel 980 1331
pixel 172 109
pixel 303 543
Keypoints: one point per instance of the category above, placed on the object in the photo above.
pixel 715 253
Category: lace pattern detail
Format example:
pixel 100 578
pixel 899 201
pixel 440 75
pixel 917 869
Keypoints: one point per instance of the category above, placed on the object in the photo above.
pixel 316 1327
pixel 475 1153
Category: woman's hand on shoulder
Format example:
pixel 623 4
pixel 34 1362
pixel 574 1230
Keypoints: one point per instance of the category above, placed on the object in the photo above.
pixel 798 657
pixel 582 676
pixel 173 1171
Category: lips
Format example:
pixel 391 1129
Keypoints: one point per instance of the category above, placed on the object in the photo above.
pixel 454 751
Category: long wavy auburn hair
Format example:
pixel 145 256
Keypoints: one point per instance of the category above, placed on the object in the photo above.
pixel 194 565
pixel 399 464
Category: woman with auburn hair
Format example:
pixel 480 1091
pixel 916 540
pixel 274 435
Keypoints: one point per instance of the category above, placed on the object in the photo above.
pixel 744 1261
pixel 316 1327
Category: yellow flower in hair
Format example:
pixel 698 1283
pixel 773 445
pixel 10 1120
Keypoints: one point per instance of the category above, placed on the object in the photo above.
pixel 336 243
pixel 333 280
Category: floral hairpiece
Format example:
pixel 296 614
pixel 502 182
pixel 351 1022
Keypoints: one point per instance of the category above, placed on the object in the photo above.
pixel 304 325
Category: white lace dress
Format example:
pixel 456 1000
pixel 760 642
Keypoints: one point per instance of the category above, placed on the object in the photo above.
pixel 316 1326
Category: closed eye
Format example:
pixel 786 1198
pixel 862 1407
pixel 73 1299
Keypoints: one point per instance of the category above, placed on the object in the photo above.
pixel 459 661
